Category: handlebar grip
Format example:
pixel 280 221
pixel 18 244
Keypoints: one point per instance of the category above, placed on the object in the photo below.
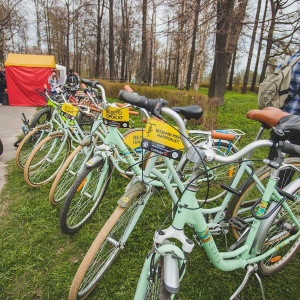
pixel 127 88
pixel 151 105
pixel 89 82
pixel 290 148
pixel 137 100
pixel 222 136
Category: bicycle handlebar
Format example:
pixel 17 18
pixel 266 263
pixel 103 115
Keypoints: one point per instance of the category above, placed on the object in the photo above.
pixel 159 105
pixel 290 148
pixel 151 105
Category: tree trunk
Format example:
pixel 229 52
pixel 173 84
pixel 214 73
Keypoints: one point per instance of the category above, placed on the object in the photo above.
pixel 99 17
pixel 270 41
pixel 192 53
pixel 255 72
pixel 229 25
pixel 38 25
pixel 143 70
pixel 246 76
pixel 111 49
pixel 67 54
pixel 230 83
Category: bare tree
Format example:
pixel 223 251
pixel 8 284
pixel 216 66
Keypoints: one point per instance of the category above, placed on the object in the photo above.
pixel 279 23
pixel 192 53
pixel 246 76
pixel 10 23
pixel 230 15
pixel 143 71
pixel 111 49
pixel 255 73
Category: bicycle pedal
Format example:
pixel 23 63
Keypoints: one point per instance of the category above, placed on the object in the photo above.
pixel 238 223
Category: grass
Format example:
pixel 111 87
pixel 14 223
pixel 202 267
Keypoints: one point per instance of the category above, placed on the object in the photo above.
pixel 37 261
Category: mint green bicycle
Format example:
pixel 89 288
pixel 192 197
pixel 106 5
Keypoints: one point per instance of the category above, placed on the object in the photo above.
pixel 114 234
pixel 267 242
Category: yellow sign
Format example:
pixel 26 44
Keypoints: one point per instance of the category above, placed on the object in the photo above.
pixel 162 138
pixel 115 116
pixel 69 109
pixel 134 140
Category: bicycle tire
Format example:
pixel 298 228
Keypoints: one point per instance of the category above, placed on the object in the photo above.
pixel 239 206
pixel 276 229
pixel 85 196
pixel 107 244
pixel 156 287
pixel 32 138
pixel 40 167
pixel 1 147
pixel 217 174
pixel 67 175
pixel 41 117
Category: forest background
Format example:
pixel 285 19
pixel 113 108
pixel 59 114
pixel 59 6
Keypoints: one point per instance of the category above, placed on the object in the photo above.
pixel 184 43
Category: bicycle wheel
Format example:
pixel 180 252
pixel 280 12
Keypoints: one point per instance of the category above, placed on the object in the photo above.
pixel 156 286
pixel 240 206
pixel 214 174
pixel 46 159
pixel 85 196
pixel 67 174
pixel 1 147
pixel 275 230
pixel 41 117
pixel 32 138
pixel 107 245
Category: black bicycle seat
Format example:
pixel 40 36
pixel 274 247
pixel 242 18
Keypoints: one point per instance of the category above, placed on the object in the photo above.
pixel 288 126
pixel 189 112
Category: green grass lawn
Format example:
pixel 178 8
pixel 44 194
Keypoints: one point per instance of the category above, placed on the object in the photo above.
pixel 37 261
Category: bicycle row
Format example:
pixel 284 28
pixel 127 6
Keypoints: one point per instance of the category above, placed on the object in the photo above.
pixel 162 163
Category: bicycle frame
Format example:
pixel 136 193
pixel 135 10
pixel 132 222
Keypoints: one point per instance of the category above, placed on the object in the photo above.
pixel 189 212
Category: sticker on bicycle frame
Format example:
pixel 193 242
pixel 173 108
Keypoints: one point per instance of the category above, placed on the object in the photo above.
pixel 205 236
pixel 114 116
pixel 69 109
pixel 134 140
pixel 163 139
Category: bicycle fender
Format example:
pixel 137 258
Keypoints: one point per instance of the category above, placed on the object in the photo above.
pixel 131 194
pixel 56 133
pixel 265 224
pixel 42 126
pixel 85 142
pixel 94 160
pixel 171 273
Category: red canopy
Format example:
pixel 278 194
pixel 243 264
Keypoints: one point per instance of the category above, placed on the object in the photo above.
pixel 25 73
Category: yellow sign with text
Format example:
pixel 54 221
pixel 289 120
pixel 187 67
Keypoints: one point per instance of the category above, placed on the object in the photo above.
pixel 162 138
pixel 114 116
pixel 69 109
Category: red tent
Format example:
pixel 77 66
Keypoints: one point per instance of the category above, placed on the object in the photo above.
pixel 24 73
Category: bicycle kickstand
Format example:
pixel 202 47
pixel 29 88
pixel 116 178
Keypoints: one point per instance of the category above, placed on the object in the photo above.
pixel 250 270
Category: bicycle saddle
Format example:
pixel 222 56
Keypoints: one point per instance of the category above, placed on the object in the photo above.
pixel 288 126
pixel 269 116
pixel 189 112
